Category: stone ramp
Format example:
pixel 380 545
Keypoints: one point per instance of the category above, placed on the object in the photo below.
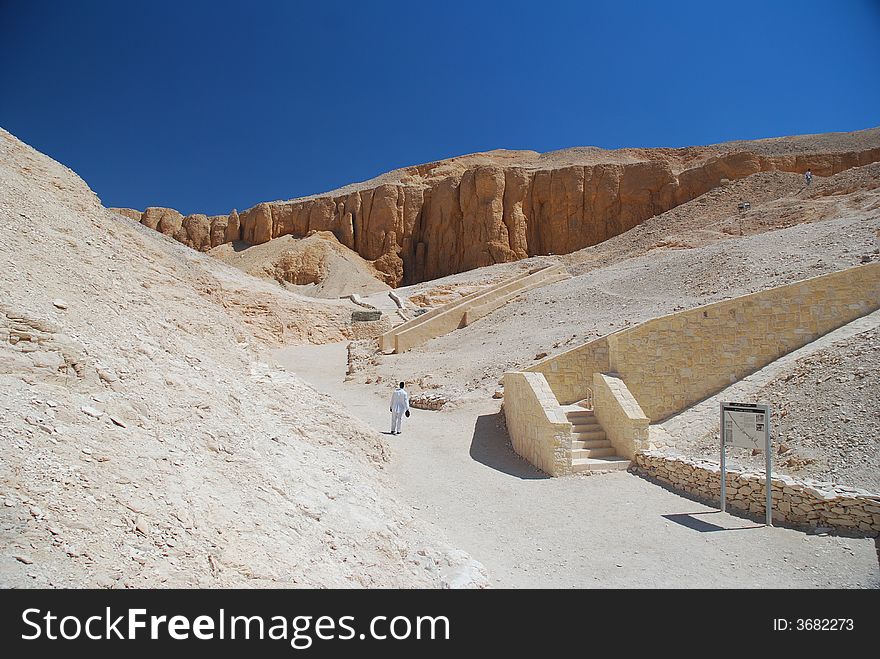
pixel 466 310
pixel 658 369
pixel 703 416
pixel 479 310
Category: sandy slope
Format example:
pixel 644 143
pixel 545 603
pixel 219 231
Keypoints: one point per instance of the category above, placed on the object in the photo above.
pixel 317 266
pixel 145 443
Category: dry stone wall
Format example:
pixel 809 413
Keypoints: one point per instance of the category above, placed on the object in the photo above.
pixel 359 331
pixel 428 401
pixel 800 503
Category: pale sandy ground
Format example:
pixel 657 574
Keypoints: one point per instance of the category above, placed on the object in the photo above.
pixel 455 468
pixel 143 441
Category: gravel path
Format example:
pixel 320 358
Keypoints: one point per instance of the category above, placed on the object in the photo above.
pixel 455 468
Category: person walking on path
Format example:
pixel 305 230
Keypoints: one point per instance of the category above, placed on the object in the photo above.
pixel 399 407
pixel 808 177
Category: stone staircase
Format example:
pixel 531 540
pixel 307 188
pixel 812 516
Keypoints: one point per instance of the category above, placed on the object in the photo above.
pixel 590 449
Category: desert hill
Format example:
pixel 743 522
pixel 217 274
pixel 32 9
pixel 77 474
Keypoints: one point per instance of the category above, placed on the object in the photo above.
pixel 428 221
pixel 318 265
pixel 145 441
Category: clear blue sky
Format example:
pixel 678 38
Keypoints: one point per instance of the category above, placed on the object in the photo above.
pixel 208 106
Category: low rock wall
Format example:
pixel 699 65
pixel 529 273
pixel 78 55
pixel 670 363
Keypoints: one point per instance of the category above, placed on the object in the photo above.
pixel 800 503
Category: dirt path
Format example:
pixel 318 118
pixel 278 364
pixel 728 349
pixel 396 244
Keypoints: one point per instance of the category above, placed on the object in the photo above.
pixel 615 530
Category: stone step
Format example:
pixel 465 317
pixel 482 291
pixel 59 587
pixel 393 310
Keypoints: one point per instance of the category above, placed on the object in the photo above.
pixel 584 436
pixel 577 454
pixel 597 465
pixel 580 414
pixel 585 427
pixel 590 443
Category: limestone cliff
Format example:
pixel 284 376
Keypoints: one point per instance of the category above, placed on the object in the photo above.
pixel 432 220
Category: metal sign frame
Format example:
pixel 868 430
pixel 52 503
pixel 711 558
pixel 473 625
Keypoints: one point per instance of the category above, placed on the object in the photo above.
pixel 768 453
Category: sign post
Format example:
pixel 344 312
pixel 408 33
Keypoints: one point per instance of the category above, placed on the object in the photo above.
pixel 747 425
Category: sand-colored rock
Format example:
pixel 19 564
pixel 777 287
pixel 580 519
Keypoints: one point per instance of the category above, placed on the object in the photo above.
pixel 319 263
pixel 429 221
pixel 146 440
pixel 130 213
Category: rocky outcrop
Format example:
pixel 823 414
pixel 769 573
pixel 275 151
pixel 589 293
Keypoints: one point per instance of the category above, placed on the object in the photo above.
pixel 433 220
pixel 201 232
pixel 318 262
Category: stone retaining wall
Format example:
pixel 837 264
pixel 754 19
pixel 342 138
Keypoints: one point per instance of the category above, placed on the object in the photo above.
pixel 623 421
pixel 368 329
pixel 800 503
pixel 571 373
pixel 538 428
pixel 673 361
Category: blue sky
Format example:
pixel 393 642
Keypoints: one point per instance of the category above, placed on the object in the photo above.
pixel 209 106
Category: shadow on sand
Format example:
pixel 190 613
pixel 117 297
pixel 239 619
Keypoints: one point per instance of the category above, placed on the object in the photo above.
pixel 489 447
pixel 692 522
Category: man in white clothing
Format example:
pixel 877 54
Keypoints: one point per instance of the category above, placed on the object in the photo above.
pixel 399 407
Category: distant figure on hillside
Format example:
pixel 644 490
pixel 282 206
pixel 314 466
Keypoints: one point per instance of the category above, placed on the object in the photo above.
pixel 808 177
pixel 399 407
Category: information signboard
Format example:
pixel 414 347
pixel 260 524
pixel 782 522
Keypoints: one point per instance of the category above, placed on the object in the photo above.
pixel 746 425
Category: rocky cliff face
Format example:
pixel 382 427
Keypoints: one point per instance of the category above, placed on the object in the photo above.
pixel 433 220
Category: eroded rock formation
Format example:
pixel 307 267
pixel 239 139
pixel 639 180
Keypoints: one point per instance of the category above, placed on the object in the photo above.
pixel 432 220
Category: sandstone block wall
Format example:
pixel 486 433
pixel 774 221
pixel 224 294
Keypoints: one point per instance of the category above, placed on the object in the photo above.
pixel 624 422
pixel 570 374
pixel 671 362
pixel 801 503
pixel 538 428
pixel 368 330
